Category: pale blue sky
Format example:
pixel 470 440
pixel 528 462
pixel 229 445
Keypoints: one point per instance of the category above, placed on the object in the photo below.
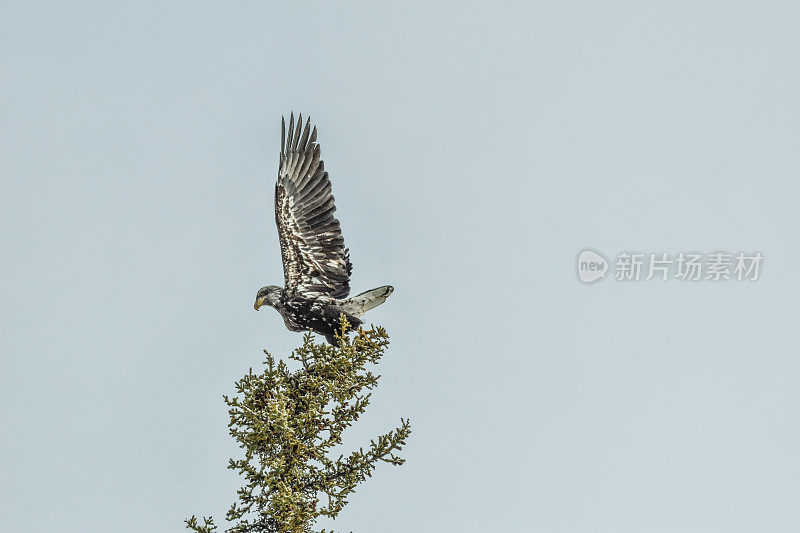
pixel 474 151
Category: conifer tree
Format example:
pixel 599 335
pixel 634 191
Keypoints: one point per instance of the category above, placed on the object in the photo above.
pixel 287 423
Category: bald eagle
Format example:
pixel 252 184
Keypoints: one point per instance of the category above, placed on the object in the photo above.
pixel 316 265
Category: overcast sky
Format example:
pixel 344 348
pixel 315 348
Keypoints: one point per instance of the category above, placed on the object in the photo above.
pixel 474 152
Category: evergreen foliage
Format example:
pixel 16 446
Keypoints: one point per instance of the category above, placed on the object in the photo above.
pixel 287 423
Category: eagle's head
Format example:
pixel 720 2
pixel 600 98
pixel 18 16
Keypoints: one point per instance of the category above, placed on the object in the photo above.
pixel 270 295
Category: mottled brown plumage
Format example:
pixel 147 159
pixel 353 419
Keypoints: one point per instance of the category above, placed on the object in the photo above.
pixel 316 264
pixel 312 246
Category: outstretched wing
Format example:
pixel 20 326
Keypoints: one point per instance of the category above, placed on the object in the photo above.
pixel 314 257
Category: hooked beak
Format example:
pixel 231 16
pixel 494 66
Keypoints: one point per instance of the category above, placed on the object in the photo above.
pixel 258 303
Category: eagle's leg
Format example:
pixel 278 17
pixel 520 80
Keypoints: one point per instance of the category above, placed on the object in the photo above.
pixel 333 321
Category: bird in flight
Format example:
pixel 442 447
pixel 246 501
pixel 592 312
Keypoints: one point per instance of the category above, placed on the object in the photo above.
pixel 316 265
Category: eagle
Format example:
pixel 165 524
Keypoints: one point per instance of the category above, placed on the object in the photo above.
pixel 316 264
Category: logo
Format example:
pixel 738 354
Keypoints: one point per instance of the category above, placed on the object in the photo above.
pixel 684 266
pixel 591 266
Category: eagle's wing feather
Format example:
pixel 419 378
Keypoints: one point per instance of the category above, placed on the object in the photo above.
pixel 314 257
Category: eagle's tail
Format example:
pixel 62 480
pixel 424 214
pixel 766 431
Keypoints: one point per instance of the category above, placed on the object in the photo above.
pixel 358 305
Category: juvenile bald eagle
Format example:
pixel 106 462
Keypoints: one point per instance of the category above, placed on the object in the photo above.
pixel 316 265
